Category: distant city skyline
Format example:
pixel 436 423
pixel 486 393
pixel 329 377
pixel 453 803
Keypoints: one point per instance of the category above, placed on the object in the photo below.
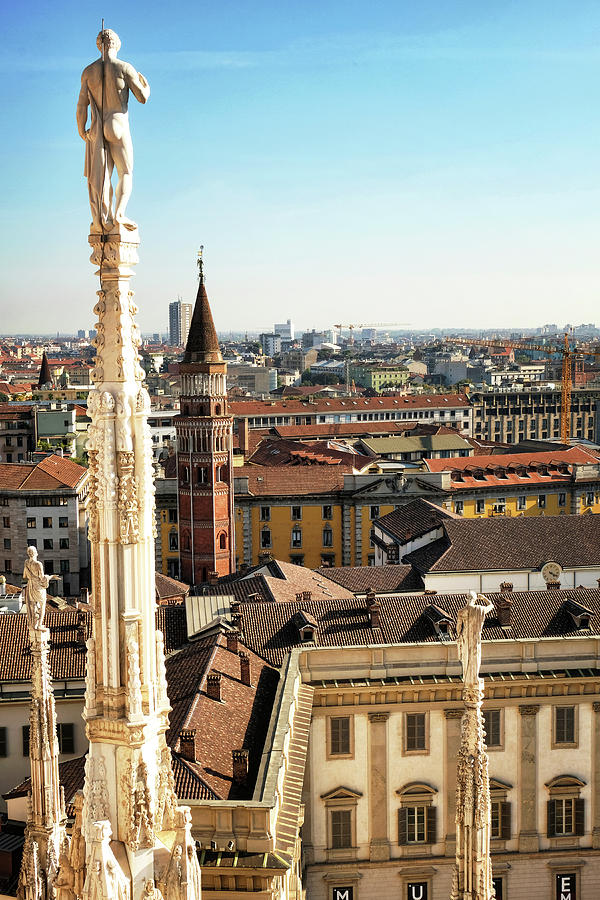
pixel 432 162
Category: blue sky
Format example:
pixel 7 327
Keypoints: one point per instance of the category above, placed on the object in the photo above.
pixel 426 162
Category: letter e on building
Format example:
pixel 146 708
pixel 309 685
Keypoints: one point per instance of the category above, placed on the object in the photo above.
pixel 566 887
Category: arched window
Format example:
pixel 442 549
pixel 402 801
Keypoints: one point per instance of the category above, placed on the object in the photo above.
pixel 217 409
pixel 566 809
pixel 223 541
pixel 185 541
pixel 417 815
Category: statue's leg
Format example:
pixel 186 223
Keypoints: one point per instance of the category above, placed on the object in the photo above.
pixel 123 157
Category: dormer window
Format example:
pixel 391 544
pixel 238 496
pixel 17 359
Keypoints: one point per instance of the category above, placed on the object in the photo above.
pixel 440 621
pixel 579 614
pixel 307 626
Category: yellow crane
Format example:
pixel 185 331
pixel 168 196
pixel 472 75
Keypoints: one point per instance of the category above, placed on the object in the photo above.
pixel 572 359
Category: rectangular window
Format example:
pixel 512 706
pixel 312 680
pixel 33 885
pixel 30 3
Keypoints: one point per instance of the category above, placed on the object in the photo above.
pixel 63 543
pixel 7 543
pixel 589 498
pixel 48 544
pixel 265 513
pixel 25 739
pixel 296 512
pixel 296 537
pixel 297 559
pixel 265 538
pixel 327 537
pixel 6 521
pixel 63 522
pixel 479 507
pixel 459 507
pixel 415 738
pixel 564 724
pixel 562 499
pixel 339 735
pixel 492 719
pixel 49 566
pixel 8 565
pixel 328 512
pixel 65 566
pixel 521 502
pixel 341 829
pixel 173 542
pixel 374 512
pixel 3 741
pixel 172 515
pixel 542 501
pixel 32 542
pixel 66 737
pixel 31 521
pixel 47 521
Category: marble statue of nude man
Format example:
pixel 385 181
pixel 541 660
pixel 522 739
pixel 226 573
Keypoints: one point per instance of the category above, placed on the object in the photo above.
pixel 105 87
pixel 469 626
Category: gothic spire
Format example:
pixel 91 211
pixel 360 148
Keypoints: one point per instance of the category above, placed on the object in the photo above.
pixel 45 376
pixel 202 343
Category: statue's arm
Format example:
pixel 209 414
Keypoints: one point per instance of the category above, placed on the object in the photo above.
pixel 488 607
pixel 82 107
pixel 137 84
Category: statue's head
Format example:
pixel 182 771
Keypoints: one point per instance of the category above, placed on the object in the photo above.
pixel 109 40
pixel 472 601
pixel 31 552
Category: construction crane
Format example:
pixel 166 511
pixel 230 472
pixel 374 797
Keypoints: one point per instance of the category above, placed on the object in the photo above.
pixel 572 359
pixel 354 325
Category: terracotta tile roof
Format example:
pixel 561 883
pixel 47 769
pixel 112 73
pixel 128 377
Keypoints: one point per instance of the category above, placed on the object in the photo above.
pixel 347 404
pixel 293 481
pixel 333 429
pixel 269 629
pixel 278 452
pixel 67 653
pixel 503 469
pixel 239 721
pixel 381 579
pixel 505 543
pixel 51 473
pixel 276 581
pixel 168 588
pixel 414 519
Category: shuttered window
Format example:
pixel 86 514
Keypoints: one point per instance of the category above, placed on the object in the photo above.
pixel 566 816
pixel 3 741
pixel 492 724
pixel 501 820
pixel 417 824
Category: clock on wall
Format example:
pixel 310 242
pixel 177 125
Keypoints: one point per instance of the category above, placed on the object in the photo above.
pixel 551 571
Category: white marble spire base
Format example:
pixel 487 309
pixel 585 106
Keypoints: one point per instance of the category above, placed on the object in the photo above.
pixel 129 798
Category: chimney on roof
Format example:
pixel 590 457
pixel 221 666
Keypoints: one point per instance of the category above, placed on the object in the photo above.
pixel 506 586
pixel 504 609
pixel 213 685
pixel 553 585
pixel 187 744
pixel 244 568
pixel 236 620
pixel 213 577
pixel 84 595
pixel 240 766
pixel 232 640
pixel 244 668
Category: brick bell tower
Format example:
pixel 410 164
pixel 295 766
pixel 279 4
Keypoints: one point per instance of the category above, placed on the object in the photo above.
pixel 204 430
